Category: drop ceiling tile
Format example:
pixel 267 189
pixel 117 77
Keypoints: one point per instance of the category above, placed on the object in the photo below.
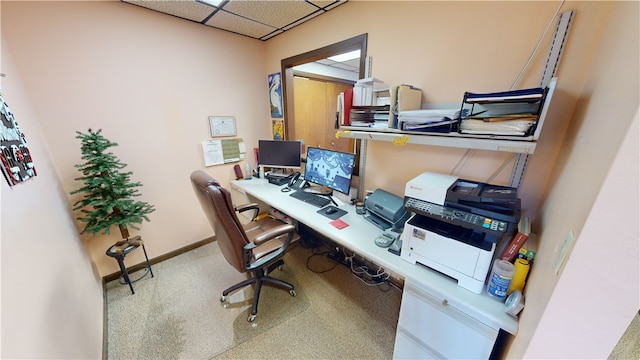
pixel 230 22
pixel 189 10
pixel 327 4
pixel 292 25
pixel 332 6
pixel 269 36
pixel 345 66
pixel 274 13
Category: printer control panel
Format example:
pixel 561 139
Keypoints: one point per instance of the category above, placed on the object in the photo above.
pixel 451 215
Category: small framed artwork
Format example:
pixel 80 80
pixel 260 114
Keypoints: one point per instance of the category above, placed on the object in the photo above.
pixel 275 95
pixel 278 129
pixel 222 126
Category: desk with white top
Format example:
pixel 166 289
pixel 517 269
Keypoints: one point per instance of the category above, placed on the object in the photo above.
pixel 438 318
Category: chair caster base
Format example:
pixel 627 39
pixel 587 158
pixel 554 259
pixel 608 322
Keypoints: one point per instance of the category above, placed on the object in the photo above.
pixel 292 293
pixel 251 318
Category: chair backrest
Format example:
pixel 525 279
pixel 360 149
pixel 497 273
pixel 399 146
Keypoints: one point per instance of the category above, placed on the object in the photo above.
pixel 216 203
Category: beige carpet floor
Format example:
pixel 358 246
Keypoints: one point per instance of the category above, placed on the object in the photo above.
pixel 178 314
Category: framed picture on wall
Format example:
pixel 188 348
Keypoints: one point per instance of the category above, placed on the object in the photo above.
pixel 275 95
pixel 222 126
pixel 278 129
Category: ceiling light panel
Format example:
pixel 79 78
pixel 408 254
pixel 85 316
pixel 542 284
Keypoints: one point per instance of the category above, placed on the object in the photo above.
pixel 211 2
pixel 274 13
pixel 230 22
pixel 189 10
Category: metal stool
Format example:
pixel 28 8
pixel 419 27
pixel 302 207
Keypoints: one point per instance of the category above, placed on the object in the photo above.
pixel 119 251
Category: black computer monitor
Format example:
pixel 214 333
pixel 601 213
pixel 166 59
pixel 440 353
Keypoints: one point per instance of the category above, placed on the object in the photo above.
pixel 284 154
pixel 329 168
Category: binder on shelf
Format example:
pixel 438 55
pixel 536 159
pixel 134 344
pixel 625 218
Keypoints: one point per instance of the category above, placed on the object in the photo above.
pixel 340 110
pixel 344 104
pixel 403 97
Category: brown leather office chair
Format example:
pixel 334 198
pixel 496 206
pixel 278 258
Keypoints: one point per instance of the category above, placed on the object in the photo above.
pixel 255 248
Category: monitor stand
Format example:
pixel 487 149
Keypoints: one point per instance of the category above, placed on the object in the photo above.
pixel 320 190
pixel 279 173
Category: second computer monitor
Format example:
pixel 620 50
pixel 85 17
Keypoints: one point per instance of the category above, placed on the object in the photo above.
pixel 329 168
pixel 284 154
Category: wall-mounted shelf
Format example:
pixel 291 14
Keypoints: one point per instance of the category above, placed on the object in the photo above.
pixel 447 140
pixel 521 146
pixel 513 144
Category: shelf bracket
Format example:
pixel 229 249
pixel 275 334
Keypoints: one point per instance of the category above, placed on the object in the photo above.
pixel 519 167
pixel 361 167
pixel 548 72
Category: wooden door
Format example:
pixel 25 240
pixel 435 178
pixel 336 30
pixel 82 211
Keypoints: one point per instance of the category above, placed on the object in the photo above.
pixel 315 111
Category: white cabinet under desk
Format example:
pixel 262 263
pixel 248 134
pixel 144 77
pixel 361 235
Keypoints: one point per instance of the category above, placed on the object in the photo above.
pixel 438 318
pixel 435 326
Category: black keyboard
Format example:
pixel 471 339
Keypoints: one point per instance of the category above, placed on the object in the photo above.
pixel 309 198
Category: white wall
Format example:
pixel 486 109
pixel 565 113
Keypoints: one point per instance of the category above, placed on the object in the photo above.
pixel 150 82
pixel 51 294
pixel 598 293
pixel 595 194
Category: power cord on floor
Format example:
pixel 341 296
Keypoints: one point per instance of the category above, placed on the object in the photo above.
pixel 379 278
pixel 323 248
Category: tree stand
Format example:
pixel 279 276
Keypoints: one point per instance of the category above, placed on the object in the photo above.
pixel 119 250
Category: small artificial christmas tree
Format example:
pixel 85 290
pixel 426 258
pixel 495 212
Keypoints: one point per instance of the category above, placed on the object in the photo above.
pixel 109 193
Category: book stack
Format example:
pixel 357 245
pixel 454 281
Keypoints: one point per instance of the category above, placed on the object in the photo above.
pixel 518 240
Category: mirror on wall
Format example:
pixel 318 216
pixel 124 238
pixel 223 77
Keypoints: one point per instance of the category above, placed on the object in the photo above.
pixel 310 95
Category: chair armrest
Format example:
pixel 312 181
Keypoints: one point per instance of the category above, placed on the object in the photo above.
pixel 273 233
pixel 262 238
pixel 246 207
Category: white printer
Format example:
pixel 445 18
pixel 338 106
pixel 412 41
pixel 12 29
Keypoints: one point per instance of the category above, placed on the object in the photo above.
pixel 457 224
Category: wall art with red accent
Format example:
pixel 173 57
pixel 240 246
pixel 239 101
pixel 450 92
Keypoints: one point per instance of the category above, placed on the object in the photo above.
pixel 17 164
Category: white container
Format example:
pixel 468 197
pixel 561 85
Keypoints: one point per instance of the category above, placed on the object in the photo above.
pixel 500 279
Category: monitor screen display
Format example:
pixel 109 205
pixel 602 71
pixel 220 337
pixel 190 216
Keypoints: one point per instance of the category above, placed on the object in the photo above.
pixel 279 153
pixel 329 168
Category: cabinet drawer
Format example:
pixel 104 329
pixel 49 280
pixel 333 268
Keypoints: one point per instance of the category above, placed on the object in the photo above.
pixel 443 328
pixel 409 347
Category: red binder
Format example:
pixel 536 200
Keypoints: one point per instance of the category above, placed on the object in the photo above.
pixel 348 102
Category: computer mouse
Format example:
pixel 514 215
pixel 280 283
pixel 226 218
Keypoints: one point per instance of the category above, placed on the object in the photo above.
pixel 331 210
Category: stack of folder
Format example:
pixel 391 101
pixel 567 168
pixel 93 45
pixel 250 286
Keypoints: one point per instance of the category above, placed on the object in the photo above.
pixel 533 94
pixel 436 120
pixel 369 116
pixel 403 98
pixel 513 113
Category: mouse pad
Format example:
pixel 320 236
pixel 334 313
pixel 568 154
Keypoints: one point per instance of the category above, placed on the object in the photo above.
pixel 333 216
